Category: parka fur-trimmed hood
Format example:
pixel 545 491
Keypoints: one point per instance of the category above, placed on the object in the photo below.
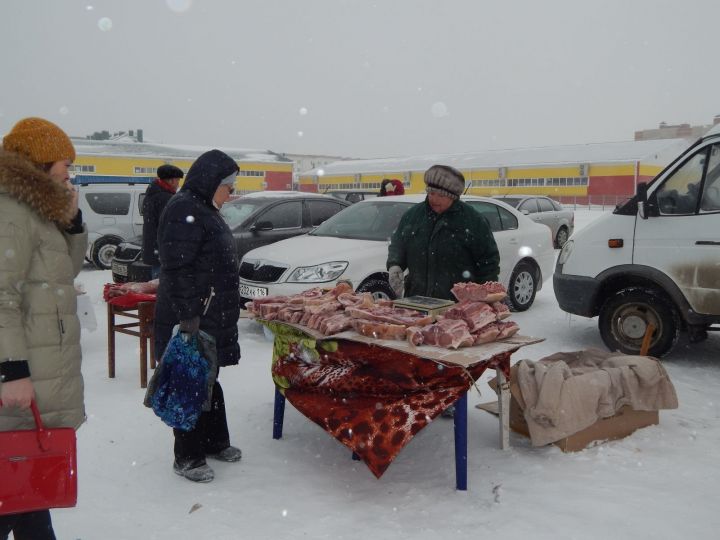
pixel 24 181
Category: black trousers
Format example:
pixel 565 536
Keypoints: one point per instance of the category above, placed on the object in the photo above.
pixel 210 435
pixel 27 526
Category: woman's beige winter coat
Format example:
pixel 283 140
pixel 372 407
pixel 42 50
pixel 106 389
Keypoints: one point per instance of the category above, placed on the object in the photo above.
pixel 38 302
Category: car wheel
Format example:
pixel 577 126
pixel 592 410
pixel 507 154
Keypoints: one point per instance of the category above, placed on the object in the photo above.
pixel 103 251
pixel 561 237
pixel 379 288
pixel 523 286
pixel 625 316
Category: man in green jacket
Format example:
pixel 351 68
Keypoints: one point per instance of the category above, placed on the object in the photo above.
pixel 441 241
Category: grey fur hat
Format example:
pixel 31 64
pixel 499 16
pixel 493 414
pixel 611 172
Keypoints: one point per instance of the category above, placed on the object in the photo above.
pixel 445 180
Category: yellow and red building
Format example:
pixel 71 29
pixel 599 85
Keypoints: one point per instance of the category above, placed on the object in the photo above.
pixel 573 173
pixel 128 161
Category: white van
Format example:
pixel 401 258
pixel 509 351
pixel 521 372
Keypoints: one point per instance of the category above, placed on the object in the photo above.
pixel 654 260
pixel 113 214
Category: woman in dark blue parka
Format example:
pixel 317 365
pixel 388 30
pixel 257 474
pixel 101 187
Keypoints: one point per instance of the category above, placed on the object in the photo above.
pixel 199 290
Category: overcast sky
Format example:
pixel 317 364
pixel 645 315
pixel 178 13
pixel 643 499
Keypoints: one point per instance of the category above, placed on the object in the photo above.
pixel 360 78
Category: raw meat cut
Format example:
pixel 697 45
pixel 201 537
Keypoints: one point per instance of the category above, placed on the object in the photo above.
pixel 448 333
pixel 475 314
pixel 490 291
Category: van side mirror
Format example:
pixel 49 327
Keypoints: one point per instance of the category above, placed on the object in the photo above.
pixel 262 226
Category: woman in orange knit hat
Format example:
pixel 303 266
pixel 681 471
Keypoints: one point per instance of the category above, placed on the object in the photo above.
pixel 42 245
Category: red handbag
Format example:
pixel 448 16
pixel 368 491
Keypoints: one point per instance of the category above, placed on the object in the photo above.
pixel 38 468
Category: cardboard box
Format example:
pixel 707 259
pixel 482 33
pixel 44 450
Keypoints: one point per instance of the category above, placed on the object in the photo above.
pixel 619 426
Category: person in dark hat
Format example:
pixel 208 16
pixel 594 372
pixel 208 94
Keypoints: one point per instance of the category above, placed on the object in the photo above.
pixel 43 242
pixel 157 196
pixel 441 241
pixel 199 289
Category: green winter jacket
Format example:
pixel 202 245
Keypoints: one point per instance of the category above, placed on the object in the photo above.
pixel 38 302
pixel 440 250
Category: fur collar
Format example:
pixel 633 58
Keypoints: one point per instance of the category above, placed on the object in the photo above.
pixel 20 179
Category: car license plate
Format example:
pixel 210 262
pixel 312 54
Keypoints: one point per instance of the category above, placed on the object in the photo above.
pixel 119 269
pixel 252 292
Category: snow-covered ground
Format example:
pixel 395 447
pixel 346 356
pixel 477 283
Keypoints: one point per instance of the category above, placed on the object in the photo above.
pixel 659 483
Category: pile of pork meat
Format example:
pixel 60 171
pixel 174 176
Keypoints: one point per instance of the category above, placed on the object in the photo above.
pixel 478 316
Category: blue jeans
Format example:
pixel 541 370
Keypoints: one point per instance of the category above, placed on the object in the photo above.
pixel 154 272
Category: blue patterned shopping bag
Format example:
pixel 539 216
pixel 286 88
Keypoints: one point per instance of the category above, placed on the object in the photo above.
pixel 180 389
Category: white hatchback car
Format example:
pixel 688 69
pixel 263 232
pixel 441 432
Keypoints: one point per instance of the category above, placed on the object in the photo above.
pixel 353 245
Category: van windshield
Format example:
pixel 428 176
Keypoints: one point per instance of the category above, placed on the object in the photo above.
pixel 364 221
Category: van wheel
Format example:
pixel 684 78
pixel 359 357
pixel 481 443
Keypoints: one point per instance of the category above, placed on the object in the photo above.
pixel 103 251
pixel 625 316
pixel 379 288
pixel 523 286
pixel 561 237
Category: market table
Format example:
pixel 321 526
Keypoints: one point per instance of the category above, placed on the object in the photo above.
pixel 374 395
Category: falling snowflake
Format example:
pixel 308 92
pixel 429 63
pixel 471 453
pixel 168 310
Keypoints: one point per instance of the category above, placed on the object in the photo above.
pixel 105 24
pixel 439 109
pixel 178 6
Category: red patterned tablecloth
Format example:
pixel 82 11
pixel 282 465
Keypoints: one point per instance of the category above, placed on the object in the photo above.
pixel 374 396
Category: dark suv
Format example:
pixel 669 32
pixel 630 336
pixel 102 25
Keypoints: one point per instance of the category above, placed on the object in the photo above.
pixel 256 219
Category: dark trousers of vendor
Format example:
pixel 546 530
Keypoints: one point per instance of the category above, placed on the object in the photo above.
pixel 210 435
pixel 27 526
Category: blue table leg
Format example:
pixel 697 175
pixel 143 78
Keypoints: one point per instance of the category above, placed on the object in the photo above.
pixel 278 414
pixel 461 443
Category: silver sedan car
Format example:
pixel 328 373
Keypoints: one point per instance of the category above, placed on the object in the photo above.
pixel 546 211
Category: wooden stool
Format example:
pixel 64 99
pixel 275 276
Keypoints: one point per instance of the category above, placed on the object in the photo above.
pixel 144 313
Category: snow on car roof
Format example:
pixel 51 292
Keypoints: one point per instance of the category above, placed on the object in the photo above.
pixel 419 197
pixel 268 194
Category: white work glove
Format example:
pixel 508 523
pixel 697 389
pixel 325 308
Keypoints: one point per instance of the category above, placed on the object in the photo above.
pixel 396 278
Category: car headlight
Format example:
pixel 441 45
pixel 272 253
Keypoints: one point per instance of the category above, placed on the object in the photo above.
pixel 318 273
pixel 566 251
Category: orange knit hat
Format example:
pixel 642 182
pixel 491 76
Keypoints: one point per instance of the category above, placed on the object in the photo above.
pixel 39 140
